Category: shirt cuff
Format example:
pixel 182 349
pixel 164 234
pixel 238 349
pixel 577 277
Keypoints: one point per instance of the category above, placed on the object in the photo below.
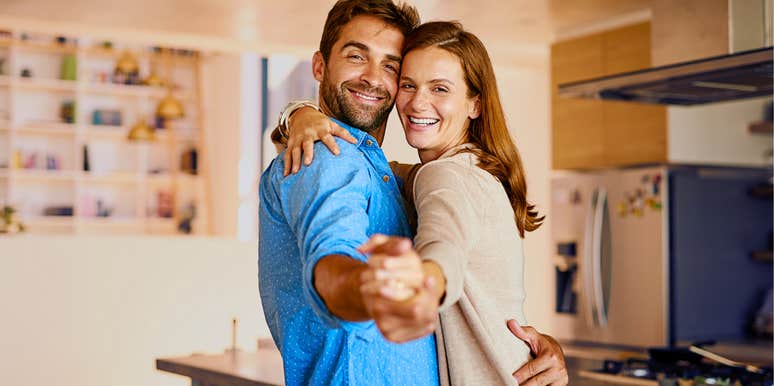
pixel 448 258
pixel 317 303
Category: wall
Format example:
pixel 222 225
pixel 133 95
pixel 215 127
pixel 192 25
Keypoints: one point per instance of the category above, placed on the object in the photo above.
pixel 718 132
pixel 85 311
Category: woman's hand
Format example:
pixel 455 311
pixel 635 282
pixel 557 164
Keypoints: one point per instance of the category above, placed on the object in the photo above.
pixel 394 268
pixel 305 126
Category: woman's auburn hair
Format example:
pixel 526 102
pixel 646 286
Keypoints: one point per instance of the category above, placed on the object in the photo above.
pixel 496 152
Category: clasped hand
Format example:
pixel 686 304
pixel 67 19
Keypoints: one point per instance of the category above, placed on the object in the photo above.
pixel 398 295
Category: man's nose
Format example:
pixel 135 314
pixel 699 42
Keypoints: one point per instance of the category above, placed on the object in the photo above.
pixel 372 75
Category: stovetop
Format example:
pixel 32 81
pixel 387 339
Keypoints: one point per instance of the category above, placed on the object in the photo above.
pixel 678 372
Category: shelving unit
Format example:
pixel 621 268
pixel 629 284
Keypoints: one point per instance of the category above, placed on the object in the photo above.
pixel 121 190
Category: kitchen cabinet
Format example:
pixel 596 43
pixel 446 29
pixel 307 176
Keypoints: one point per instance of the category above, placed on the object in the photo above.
pixel 595 134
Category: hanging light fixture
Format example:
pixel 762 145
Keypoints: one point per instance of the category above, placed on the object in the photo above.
pixel 169 107
pixel 142 132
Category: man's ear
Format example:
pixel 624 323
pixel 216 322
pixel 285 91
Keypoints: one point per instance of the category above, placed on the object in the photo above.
pixel 318 66
pixel 475 108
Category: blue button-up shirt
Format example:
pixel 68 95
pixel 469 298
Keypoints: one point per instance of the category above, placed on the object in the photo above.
pixel 331 207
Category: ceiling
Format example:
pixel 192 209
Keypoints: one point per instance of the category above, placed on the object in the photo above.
pixel 499 23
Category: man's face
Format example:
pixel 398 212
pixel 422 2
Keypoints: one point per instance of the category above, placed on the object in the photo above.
pixel 359 82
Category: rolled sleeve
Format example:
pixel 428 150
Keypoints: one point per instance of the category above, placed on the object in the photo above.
pixel 448 224
pixel 326 207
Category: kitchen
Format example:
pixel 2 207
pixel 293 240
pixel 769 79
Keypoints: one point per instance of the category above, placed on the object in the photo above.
pixel 78 335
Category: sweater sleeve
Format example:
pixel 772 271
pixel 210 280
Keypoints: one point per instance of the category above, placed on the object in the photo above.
pixel 448 223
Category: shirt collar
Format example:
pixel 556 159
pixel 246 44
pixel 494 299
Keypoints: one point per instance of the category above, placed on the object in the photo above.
pixel 360 135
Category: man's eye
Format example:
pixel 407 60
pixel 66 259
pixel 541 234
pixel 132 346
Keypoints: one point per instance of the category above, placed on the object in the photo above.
pixel 356 57
pixel 440 89
pixel 391 68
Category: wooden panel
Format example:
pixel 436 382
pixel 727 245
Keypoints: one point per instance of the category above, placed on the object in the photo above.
pixel 635 133
pixel 626 49
pixel 688 30
pixel 577 125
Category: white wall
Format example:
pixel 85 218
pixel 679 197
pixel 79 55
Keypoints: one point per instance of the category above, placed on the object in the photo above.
pixel 524 91
pixel 717 134
pixel 96 311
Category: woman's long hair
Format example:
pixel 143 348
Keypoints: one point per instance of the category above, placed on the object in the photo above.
pixel 495 149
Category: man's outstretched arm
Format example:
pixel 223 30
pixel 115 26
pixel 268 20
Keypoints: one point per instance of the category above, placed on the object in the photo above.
pixel 337 281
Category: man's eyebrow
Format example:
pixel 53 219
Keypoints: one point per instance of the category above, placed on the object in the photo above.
pixel 363 47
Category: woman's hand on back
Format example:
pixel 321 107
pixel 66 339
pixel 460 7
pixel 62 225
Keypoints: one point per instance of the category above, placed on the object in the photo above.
pixel 305 126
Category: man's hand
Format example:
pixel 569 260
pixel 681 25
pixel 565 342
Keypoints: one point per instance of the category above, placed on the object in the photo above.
pixel 402 321
pixel 401 299
pixel 548 367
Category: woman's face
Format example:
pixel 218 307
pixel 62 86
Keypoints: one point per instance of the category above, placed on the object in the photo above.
pixel 433 102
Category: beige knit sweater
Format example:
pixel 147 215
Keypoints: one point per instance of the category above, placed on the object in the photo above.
pixel 466 225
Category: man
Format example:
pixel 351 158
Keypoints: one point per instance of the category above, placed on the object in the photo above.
pixel 312 223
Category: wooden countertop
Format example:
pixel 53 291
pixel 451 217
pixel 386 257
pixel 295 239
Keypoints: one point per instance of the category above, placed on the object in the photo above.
pixel 237 368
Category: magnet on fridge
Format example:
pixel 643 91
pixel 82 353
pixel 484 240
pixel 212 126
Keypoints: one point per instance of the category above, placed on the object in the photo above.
pixel 622 208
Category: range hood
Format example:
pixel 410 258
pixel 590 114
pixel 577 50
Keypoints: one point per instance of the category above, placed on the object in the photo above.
pixel 721 78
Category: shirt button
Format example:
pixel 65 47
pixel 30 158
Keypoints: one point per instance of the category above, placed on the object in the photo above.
pixel 386 178
pixel 369 142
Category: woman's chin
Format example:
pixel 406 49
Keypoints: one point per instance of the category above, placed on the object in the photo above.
pixel 416 143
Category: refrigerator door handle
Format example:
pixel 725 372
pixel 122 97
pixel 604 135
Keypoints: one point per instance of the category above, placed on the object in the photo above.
pixel 587 261
pixel 599 238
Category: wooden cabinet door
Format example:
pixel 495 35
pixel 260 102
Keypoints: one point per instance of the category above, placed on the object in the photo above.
pixel 634 133
pixel 589 133
pixel 577 124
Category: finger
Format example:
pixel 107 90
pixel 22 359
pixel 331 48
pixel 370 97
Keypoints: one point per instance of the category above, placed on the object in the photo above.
pixel 286 163
pixel 394 246
pixel 342 133
pixel 528 334
pixel 406 261
pixel 532 369
pixel 308 151
pixel 328 140
pixel 295 156
pixel 544 378
pixel 397 294
pixel 372 243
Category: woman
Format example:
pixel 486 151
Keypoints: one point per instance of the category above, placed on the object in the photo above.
pixel 470 199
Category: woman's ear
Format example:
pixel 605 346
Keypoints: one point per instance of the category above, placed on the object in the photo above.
pixel 475 107
pixel 318 66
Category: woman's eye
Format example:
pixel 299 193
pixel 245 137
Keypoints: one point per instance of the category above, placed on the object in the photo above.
pixel 407 86
pixel 440 89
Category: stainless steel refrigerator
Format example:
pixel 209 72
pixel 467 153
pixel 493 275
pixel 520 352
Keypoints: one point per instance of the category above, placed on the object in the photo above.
pixel 658 255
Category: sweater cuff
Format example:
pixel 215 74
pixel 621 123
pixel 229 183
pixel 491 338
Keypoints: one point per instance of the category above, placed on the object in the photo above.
pixel 448 258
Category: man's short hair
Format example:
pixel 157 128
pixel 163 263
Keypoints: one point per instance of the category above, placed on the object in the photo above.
pixel 404 17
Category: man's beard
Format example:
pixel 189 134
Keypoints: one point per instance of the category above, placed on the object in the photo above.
pixel 346 109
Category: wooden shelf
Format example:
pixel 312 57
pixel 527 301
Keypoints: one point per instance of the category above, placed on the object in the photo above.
pixel 45 128
pixel 42 84
pixel 19 96
pixel 115 53
pixel 44 176
pixel 51 48
pixel 110 178
pixel 48 221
